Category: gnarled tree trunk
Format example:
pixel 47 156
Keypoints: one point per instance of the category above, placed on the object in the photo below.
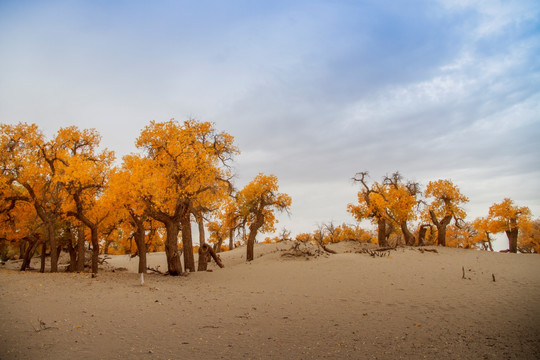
pixel 141 246
pixel 441 227
pixel 231 239
pixel 28 253
pixel 202 242
pixel 187 242
pixel 253 229
pixel 512 239
pixel 52 242
pixel 381 232
pixel 422 235
pixel 409 237
pixel 171 248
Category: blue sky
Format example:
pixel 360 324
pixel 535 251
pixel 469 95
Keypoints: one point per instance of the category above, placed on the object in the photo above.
pixel 313 91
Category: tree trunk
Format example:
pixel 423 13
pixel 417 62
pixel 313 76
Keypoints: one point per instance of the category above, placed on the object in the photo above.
pixel 202 243
pixel 409 237
pixel 422 235
pixel 381 232
pixel 187 242
pixel 203 258
pixel 174 264
pixel 141 245
pixel 253 228
pixel 81 251
pixel 231 240
pixel 441 227
pixel 202 235
pixel 218 245
pixel 52 242
pixel 72 257
pixel 28 254
pixel 95 248
pixel 512 239
pixel 43 256
pixel 22 249
pixel 489 244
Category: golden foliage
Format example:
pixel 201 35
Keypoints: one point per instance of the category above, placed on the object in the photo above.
pixel 447 199
pixel 507 216
pixel 258 200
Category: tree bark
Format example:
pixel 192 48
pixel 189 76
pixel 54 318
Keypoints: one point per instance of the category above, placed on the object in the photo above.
pixel 140 234
pixel 381 232
pixel 141 245
pixel 422 235
pixel 490 245
pixel 95 248
pixel 231 240
pixel 171 248
pixel 72 256
pixel 52 242
pixel 512 239
pixel 218 245
pixel 409 237
pixel 441 227
pixel 203 260
pixel 28 253
pixel 187 242
pixel 253 229
pixel 43 256
pixel 81 251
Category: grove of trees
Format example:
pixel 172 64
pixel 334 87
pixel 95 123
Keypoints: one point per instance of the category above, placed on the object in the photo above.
pixel 67 194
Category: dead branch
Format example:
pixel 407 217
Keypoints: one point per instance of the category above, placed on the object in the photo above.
pixel 375 253
pixel 328 250
pixel 422 250
pixel 103 260
pixel 156 270
pixel 299 249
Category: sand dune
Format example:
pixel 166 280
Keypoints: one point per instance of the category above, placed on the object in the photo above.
pixel 409 305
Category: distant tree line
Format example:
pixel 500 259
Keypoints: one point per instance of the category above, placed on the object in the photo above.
pixel 66 194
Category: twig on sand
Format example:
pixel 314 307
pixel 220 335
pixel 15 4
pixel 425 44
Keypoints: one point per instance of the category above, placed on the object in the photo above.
pixel 463 274
pixel 42 326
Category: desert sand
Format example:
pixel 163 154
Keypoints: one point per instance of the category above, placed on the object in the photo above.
pixel 407 305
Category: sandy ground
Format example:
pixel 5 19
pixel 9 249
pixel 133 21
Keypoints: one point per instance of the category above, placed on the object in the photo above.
pixel 409 305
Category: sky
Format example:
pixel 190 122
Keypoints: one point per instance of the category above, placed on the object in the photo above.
pixel 313 91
